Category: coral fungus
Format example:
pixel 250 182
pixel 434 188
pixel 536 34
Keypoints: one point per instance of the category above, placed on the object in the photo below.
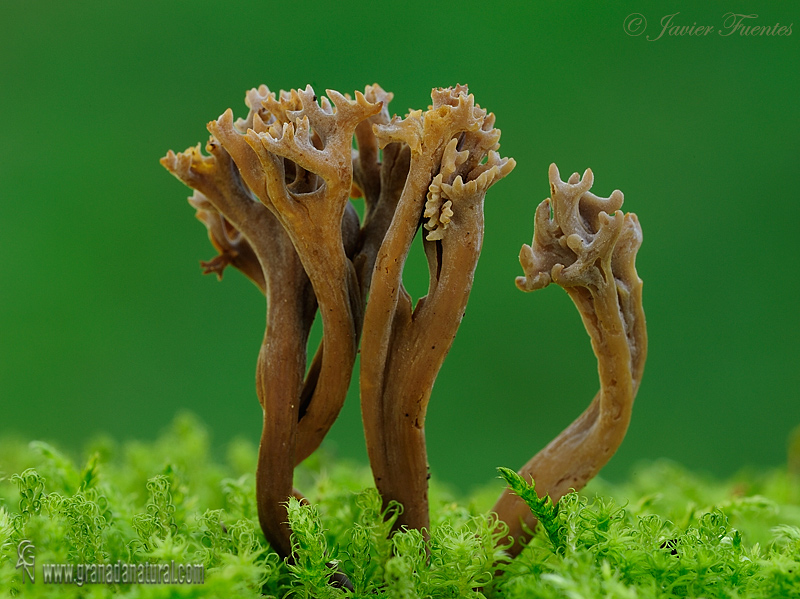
pixel 275 193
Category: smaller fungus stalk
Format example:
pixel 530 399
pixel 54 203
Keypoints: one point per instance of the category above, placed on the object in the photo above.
pixel 586 245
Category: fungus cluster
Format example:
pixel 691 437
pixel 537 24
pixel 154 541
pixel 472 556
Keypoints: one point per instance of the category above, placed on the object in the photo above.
pixel 274 191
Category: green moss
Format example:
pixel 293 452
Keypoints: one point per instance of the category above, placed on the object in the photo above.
pixel 665 533
pixel 544 510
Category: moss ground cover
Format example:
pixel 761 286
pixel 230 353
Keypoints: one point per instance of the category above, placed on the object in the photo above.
pixel 666 532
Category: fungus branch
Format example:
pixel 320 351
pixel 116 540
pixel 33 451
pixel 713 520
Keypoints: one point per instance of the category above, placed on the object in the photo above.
pixel 380 182
pixel 240 227
pixel 585 244
pixel 307 190
pixel 403 350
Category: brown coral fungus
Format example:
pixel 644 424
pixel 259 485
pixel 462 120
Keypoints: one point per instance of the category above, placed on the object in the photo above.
pixel 586 245
pixel 274 193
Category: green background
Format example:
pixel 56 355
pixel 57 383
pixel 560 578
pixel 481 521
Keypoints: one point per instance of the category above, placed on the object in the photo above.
pixel 107 325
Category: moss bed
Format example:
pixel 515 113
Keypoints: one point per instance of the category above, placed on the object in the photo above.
pixel 666 532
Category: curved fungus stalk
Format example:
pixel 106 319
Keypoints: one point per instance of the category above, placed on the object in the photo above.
pixel 586 245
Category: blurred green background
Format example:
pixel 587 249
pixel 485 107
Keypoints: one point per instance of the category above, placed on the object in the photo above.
pixel 107 325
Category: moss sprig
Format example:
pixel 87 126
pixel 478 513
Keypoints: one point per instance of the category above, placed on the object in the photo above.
pixel 542 508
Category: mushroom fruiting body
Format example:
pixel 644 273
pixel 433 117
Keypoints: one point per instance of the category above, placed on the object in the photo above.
pixel 274 192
